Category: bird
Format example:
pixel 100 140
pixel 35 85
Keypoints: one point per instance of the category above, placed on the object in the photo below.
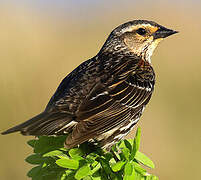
pixel 102 99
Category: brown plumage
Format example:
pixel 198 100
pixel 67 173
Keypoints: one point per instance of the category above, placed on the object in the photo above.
pixel 104 97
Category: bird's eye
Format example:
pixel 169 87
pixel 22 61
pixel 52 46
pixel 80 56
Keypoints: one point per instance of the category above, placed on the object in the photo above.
pixel 141 31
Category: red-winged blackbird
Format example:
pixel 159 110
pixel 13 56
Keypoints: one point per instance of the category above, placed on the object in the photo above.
pixel 103 98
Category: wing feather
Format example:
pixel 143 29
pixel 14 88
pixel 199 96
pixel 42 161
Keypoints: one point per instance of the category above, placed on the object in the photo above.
pixel 109 108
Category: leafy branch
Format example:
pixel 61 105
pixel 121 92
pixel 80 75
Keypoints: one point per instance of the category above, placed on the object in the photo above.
pixel 54 162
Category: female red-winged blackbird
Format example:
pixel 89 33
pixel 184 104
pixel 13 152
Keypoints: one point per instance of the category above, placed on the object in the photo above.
pixel 103 98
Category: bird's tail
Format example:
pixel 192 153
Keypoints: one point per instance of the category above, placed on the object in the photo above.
pixel 44 124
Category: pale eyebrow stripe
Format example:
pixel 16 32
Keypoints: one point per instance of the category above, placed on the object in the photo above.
pixel 132 28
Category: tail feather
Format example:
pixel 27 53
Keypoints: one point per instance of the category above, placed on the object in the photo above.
pixel 44 124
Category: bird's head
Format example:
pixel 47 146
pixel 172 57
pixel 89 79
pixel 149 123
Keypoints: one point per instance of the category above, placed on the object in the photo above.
pixel 140 37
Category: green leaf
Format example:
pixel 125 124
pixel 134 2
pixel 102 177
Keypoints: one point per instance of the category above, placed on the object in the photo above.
pixel 34 171
pixel 121 156
pixel 32 142
pixel 126 153
pixel 130 176
pixel 87 178
pixel 121 145
pixel 130 141
pixel 68 171
pixel 75 152
pixel 35 159
pixel 151 177
pixel 68 163
pixel 139 169
pixel 63 176
pixel 144 159
pixel 128 169
pixel 69 174
pixel 96 178
pixel 139 177
pixel 62 156
pixel 82 172
pixel 53 153
pixel 128 144
pixel 114 147
pixel 108 156
pixel 91 159
pixel 96 168
pixel 118 166
pixel 92 156
pixel 94 164
pixel 136 143
pixel 49 143
pixel 137 139
pixel 106 170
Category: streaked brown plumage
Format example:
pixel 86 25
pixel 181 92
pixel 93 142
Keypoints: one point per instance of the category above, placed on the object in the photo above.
pixel 104 97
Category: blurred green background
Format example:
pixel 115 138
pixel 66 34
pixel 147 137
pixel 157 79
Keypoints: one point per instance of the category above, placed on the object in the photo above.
pixel 42 41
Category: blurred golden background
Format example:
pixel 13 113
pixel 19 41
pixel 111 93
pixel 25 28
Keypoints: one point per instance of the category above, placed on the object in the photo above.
pixel 42 41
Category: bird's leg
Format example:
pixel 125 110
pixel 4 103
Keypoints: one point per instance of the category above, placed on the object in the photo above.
pixel 114 155
pixel 114 149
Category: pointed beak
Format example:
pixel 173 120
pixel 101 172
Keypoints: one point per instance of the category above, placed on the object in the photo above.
pixel 163 32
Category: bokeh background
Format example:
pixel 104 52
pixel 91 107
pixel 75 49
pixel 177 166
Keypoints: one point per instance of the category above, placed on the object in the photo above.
pixel 42 41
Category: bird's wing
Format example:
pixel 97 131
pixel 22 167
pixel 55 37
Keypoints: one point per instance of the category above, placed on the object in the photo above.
pixel 111 104
pixel 58 117
pixel 67 94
